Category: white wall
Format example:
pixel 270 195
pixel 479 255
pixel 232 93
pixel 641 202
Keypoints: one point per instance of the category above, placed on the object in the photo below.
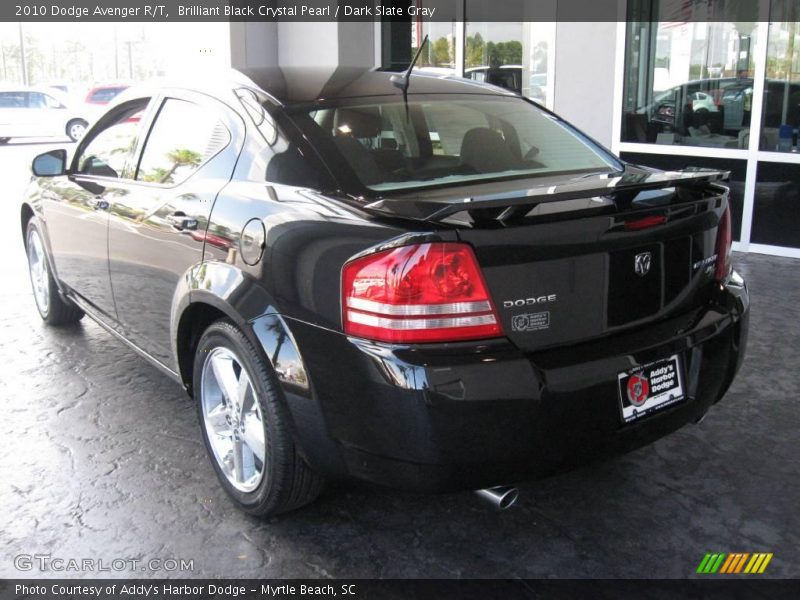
pixel 253 45
pixel 315 44
pixel 585 75
pixel 302 44
pixel 358 44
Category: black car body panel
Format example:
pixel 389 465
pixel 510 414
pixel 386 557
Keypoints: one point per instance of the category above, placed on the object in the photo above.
pixel 261 231
pixel 472 415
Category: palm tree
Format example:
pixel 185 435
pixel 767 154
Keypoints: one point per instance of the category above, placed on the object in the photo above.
pixel 179 158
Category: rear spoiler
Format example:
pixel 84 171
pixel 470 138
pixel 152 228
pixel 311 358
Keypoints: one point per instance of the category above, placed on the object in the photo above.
pixel 503 206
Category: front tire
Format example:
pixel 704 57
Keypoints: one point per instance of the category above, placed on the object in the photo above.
pixel 245 426
pixel 53 308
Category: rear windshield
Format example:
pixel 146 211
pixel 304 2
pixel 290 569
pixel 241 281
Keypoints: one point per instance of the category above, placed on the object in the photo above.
pixel 448 139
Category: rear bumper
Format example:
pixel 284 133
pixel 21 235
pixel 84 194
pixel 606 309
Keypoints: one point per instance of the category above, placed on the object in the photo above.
pixel 469 415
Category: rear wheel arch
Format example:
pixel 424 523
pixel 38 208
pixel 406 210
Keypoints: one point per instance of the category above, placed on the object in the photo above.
pixel 204 309
pixel 194 320
pixel 208 292
pixel 207 309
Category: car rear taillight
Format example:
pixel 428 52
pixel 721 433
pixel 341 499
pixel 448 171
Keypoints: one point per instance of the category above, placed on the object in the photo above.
pixel 421 293
pixel 724 242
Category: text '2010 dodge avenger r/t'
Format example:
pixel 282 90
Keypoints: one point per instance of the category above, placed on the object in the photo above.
pixel 423 282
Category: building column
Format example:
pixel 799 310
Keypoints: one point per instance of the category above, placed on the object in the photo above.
pixel 254 45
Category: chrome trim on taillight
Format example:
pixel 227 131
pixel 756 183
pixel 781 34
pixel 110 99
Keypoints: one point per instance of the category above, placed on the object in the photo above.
pixel 406 324
pixel 407 310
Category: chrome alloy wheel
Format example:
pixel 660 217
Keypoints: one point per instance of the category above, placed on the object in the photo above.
pixel 76 131
pixel 232 419
pixel 37 267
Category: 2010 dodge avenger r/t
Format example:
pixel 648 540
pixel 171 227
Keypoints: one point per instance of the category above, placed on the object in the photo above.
pixel 422 282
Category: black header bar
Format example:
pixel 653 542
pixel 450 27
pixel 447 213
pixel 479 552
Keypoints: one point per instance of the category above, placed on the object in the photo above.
pixel 709 588
pixel 367 11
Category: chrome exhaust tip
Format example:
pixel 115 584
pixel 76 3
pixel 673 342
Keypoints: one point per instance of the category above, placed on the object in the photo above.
pixel 501 496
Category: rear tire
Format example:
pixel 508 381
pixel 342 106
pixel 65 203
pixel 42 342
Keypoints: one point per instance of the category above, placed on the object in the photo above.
pixel 53 308
pixel 245 426
pixel 76 128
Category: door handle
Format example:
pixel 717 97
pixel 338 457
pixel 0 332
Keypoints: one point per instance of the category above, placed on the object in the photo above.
pixel 100 204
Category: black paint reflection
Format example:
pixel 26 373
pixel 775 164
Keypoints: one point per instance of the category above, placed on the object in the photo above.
pixel 738 169
pixel 776 218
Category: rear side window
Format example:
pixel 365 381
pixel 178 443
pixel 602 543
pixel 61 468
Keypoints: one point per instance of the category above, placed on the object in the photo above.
pixel 184 136
pixel 286 163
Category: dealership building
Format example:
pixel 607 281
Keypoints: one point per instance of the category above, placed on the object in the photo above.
pixel 667 84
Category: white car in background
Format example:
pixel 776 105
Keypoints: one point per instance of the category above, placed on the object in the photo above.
pixel 29 112
pixel 702 101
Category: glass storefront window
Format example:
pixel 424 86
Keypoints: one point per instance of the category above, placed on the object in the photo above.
pixel 439 55
pixel 776 218
pixel 687 83
pixel 782 86
pixel 515 56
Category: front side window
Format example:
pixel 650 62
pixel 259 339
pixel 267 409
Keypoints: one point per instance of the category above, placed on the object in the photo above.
pixel 108 152
pixel 36 100
pixel 183 137
pixel 450 139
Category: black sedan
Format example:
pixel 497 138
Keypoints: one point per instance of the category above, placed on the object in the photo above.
pixel 422 282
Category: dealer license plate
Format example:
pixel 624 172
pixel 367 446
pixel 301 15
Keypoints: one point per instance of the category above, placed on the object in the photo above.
pixel 648 388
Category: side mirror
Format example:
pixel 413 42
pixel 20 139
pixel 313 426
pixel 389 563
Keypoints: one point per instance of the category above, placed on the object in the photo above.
pixel 50 164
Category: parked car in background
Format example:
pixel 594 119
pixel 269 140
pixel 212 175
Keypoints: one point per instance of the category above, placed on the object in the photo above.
pixel 297 252
pixel 702 101
pixel 722 105
pixel 29 112
pixel 103 94
pixel 703 95
pixel 537 87
pixel 505 76
pixel 73 91
pixel 509 77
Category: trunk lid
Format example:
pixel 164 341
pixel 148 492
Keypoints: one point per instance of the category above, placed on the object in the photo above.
pixel 580 258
